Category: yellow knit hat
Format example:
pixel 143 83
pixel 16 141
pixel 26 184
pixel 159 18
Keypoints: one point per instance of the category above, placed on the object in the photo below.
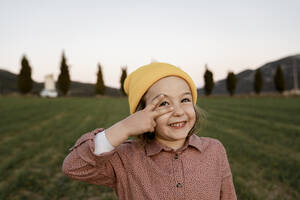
pixel 138 82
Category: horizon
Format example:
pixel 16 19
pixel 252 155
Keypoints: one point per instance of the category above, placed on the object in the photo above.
pixel 228 36
pixel 201 87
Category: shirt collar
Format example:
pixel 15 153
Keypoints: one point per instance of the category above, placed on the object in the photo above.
pixel 155 147
pixel 196 142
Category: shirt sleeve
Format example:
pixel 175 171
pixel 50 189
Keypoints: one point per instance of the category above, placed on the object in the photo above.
pixel 227 189
pixel 84 165
pixel 227 186
pixel 102 144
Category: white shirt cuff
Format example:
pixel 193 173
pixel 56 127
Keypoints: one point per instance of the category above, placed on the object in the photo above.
pixel 102 144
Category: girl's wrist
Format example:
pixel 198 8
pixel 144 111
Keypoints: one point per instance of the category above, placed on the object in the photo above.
pixel 124 129
pixel 116 134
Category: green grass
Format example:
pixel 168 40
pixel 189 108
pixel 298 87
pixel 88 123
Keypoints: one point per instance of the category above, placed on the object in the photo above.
pixel 261 136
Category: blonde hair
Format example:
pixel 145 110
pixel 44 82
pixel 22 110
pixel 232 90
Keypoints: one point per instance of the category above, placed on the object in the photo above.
pixel 147 137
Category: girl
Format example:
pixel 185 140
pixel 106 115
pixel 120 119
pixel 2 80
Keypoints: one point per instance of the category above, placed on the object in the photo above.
pixel 167 160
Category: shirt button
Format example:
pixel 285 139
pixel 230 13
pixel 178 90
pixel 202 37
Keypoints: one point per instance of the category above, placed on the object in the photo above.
pixel 176 156
pixel 179 185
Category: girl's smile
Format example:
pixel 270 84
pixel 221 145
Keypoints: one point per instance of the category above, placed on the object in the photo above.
pixel 178 125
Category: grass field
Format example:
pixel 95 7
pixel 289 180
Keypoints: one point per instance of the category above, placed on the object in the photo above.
pixel 261 136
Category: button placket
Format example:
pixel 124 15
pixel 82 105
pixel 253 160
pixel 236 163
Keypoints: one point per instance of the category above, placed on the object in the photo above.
pixel 176 156
pixel 178 176
pixel 179 185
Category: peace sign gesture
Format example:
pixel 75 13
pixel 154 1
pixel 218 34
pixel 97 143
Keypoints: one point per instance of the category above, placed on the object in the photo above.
pixel 144 120
pixel 136 124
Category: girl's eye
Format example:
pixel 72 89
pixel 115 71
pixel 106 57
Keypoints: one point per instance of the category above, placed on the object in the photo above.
pixel 185 100
pixel 163 103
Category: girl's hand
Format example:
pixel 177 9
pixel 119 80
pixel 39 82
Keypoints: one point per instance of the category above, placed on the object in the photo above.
pixel 144 120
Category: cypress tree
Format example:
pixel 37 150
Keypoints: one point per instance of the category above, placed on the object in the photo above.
pixel 258 81
pixel 122 79
pixel 100 87
pixel 64 81
pixel 25 82
pixel 208 81
pixel 279 80
pixel 231 83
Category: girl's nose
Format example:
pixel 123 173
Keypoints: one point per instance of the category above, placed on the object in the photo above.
pixel 178 111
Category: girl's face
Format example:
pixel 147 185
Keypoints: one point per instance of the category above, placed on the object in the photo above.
pixel 172 128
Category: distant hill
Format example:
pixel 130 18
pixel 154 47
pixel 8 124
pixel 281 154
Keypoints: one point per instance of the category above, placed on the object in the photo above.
pixel 246 78
pixel 8 84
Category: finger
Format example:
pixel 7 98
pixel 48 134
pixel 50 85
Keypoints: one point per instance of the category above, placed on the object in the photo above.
pixel 153 123
pixel 162 111
pixel 154 103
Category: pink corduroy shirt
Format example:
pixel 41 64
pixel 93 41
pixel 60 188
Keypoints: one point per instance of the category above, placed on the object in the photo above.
pixel 198 170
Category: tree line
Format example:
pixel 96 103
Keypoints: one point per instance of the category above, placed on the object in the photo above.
pixel 25 82
pixel 231 81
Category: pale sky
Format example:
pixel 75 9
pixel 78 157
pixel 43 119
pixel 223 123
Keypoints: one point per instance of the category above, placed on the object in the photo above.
pixel 227 35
